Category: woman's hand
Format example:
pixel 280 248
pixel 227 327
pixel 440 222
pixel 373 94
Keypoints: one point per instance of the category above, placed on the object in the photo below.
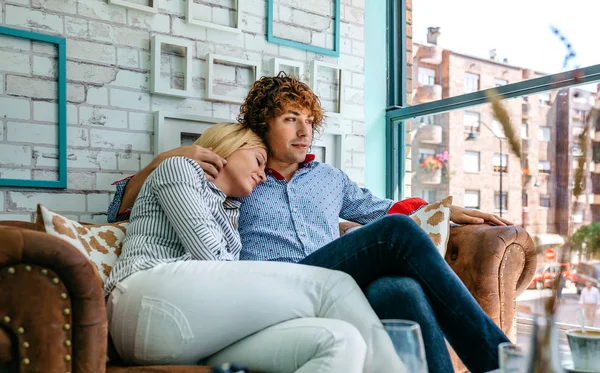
pixel 210 162
pixel 461 215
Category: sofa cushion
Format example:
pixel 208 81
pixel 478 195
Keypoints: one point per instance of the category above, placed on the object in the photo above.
pixel 434 218
pixel 101 243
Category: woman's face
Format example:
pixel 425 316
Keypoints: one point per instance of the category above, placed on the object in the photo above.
pixel 244 170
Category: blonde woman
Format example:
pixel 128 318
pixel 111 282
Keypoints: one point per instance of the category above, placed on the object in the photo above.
pixel 179 295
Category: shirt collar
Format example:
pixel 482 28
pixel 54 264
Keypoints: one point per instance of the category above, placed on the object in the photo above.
pixel 228 203
pixel 308 162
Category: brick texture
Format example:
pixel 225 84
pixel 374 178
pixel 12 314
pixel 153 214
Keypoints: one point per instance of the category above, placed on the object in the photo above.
pixel 110 111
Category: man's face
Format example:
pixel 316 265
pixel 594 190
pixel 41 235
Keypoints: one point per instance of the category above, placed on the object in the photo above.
pixel 588 284
pixel 289 136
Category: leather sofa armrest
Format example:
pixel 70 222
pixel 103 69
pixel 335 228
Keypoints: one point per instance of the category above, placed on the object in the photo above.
pixel 496 264
pixel 51 301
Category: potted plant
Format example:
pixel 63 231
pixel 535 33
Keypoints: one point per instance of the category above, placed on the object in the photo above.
pixel 432 167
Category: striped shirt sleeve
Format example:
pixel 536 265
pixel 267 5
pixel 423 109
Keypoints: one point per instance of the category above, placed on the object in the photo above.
pixel 180 187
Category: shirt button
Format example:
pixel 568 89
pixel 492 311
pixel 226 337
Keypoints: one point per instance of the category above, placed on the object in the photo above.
pixel 302 233
pixel 295 210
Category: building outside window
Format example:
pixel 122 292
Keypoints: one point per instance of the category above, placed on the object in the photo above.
pixel 471 161
pixel 544 134
pixel 428 195
pixel 545 200
pixel 504 201
pixel 500 162
pixel 498 129
pixel 471 82
pixel 426 76
pixel 545 98
pixel 471 121
pixel 576 150
pixel 524 130
pixel 578 217
pixel 544 167
pixel 471 199
pixel 427 120
pixel 579 115
pixel 525 199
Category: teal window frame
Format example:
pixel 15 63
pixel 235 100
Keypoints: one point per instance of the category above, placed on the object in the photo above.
pixel 61 44
pixel 335 52
pixel 399 111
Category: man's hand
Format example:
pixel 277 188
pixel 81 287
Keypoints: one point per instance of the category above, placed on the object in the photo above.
pixel 461 215
pixel 210 162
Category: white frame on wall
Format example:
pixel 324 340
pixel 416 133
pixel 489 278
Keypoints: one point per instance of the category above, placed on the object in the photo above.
pixel 156 51
pixel 297 65
pixel 238 20
pixel 210 60
pixel 327 139
pixel 152 8
pixel 168 136
pixel 341 74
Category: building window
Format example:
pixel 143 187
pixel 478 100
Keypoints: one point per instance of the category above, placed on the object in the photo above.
pixel 578 217
pixel 577 151
pixel 426 76
pixel 424 153
pixel 544 134
pixel 471 82
pixel 545 99
pixel 524 130
pixel 544 167
pixel 471 199
pixel 525 199
pixel 504 201
pixel 471 161
pixel 500 162
pixel 428 195
pixel 544 201
pixel 471 121
pixel 577 131
pixel 498 129
pixel 500 82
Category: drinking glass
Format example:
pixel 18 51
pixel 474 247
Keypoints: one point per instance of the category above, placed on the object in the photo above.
pixel 513 358
pixel 408 343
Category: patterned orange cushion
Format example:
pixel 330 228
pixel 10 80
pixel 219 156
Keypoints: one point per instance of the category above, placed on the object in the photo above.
pixel 101 243
pixel 434 218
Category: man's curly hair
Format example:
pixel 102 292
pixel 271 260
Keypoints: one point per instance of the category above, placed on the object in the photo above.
pixel 270 96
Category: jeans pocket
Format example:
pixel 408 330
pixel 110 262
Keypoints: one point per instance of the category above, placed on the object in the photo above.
pixel 161 332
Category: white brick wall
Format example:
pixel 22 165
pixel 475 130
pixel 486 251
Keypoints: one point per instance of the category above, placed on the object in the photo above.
pixel 110 110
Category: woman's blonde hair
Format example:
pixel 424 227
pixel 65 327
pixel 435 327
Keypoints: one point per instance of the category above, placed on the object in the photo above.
pixel 226 138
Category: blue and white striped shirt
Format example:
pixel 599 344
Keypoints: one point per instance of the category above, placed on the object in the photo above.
pixel 178 215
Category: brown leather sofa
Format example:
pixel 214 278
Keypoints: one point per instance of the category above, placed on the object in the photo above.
pixel 53 317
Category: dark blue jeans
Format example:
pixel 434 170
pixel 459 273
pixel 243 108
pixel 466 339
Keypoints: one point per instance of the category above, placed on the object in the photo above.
pixel 404 277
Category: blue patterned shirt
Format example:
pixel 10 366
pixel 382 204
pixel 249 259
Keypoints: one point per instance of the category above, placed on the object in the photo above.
pixel 287 221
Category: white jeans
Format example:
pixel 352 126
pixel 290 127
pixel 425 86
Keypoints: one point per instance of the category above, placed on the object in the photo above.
pixel 268 316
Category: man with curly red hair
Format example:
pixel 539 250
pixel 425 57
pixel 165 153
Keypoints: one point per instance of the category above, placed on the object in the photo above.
pixel 293 217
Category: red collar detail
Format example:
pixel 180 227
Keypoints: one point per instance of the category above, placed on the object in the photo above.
pixel 309 158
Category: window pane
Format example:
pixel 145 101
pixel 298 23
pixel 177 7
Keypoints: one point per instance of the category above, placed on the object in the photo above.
pixel 471 121
pixel 497 128
pixel 471 161
pixel 524 130
pixel 473 49
pixel 471 199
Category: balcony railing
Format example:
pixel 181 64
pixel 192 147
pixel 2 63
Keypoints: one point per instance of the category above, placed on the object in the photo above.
pixel 431 54
pixel 430 134
pixel 426 93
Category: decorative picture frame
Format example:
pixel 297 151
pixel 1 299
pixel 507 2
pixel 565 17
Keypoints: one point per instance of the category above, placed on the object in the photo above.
pixel 335 52
pixel 61 44
pixel 238 22
pixel 276 64
pixel 170 126
pixel 152 8
pixel 210 61
pixel 332 141
pixel 156 86
pixel 341 74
